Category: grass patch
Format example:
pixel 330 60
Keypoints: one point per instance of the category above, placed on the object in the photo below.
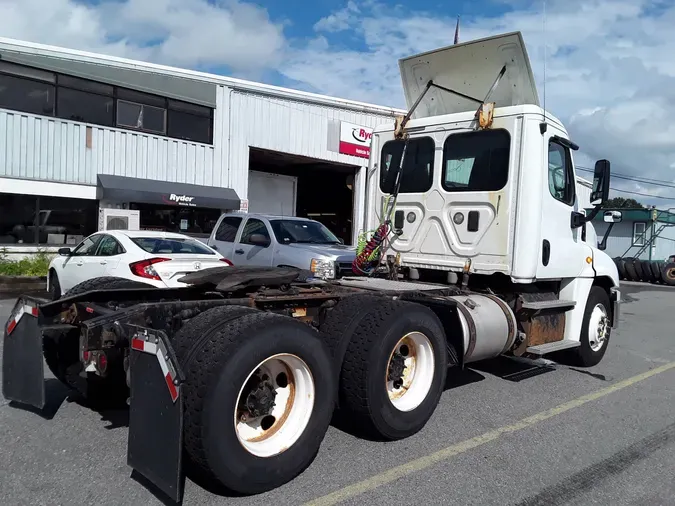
pixel 31 265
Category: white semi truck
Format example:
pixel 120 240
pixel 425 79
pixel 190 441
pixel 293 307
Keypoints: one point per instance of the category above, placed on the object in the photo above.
pixel 477 248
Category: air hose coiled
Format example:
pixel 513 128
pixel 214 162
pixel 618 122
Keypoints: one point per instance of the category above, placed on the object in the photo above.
pixel 363 263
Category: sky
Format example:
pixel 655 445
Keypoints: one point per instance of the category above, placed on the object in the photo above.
pixel 610 70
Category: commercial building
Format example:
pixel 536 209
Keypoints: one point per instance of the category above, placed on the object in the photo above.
pixel 647 234
pixel 166 148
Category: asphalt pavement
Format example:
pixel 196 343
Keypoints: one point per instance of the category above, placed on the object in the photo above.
pixel 604 435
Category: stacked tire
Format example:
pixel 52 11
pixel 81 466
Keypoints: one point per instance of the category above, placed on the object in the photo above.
pixel 646 271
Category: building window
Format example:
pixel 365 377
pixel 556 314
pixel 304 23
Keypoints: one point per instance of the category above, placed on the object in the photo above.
pixel 639 233
pixel 52 221
pixel 36 91
pixel 561 182
pixel 190 122
pixel 26 95
pixel 476 161
pixel 76 105
pixel 418 168
pixel 195 221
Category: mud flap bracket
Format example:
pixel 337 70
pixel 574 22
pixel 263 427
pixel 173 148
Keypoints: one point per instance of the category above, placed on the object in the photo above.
pixel 155 411
pixel 23 376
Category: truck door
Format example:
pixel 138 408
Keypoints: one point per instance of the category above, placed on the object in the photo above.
pixel 222 240
pixel 254 246
pixel 562 252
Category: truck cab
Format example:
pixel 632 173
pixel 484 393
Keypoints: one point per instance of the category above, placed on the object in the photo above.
pixel 487 188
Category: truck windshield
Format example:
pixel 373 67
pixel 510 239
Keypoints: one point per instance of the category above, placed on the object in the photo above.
pixel 300 231
pixel 476 161
pixel 173 245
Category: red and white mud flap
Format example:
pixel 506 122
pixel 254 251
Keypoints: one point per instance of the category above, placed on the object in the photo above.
pixel 155 411
pixel 23 379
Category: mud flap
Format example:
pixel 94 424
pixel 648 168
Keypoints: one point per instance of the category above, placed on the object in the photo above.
pixel 156 411
pixel 23 377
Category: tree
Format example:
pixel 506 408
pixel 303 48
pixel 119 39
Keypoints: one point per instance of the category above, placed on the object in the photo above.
pixel 622 203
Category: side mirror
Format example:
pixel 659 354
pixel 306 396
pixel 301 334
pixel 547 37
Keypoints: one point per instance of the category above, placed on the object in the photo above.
pixel 259 240
pixel 341 240
pixel 600 192
pixel 612 217
pixel 64 252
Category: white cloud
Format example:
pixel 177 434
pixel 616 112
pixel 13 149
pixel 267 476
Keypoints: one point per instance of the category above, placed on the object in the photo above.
pixel 610 71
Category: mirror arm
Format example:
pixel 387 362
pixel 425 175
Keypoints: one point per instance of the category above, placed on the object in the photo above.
pixel 593 213
pixel 603 244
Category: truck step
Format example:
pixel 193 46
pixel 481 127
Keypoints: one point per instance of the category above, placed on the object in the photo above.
pixel 562 305
pixel 543 349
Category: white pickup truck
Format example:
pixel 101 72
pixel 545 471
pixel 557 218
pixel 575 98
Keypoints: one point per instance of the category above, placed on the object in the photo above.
pixel 281 241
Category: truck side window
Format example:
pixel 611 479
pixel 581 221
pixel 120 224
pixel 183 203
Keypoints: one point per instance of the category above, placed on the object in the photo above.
pixel 560 173
pixel 227 230
pixel 476 161
pixel 418 168
pixel 253 226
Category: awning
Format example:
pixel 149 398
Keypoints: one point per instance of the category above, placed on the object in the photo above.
pixel 151 191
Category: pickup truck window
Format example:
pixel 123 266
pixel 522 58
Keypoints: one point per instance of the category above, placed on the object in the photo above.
pixel 309 232
pixel 476 161
pixel 253 226
pixel 418 167
pixel 227 230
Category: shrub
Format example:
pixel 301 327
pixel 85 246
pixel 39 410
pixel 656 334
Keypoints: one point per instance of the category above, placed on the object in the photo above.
pixel 32 265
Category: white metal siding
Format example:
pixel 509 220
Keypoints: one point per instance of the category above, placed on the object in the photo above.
pixel 37 147
pixel 287 126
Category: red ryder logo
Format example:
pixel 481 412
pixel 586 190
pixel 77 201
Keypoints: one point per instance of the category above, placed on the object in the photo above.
pixel 361 135
pixel 180 198
pixel 355 140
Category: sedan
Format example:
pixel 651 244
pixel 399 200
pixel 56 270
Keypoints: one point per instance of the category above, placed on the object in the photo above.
pixel 156 258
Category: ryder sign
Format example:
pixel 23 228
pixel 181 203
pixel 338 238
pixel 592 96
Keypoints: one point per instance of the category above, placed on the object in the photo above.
pixel 355 140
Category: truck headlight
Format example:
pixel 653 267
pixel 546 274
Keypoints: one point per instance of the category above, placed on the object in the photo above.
pixel 322 268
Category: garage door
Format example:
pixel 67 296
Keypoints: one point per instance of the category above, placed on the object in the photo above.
pixel 271 193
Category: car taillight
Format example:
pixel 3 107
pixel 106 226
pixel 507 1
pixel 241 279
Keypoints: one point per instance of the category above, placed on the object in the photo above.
pixel 145 269
pixel 226 261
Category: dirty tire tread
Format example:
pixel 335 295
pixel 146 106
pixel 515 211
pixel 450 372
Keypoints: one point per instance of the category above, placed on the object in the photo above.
pixel 655 276
pixel 647 271
pixel 357 365
pixel 632 274
pixel 105 283
pixel 201 327
pixel 202 373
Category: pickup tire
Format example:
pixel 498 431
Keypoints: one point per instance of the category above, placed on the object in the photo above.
pixel 61 353
pixel 247 426
pixel 595 331
pixel 381 399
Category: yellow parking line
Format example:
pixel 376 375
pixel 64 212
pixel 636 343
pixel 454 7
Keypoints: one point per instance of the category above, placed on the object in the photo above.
pixel 426 461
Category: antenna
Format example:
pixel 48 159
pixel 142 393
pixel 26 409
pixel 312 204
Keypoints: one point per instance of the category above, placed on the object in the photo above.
pixel 545 55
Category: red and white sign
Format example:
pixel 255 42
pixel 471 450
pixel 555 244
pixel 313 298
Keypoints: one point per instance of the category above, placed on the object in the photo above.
pixel 355 140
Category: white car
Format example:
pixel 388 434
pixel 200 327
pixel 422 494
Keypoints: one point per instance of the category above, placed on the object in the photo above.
pixel 156 258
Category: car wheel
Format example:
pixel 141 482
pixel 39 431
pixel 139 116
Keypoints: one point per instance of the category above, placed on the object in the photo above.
pixel 54 285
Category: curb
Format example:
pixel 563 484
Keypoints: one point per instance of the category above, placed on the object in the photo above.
pixel 20 284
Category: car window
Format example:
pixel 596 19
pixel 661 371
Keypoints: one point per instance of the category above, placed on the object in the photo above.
pixel 227 230
pixel 109 247
pixel 175 246
pixel 88 246
pixel 253 226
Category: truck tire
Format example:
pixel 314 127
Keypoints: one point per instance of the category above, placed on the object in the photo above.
pixel 647 271
pixel 620 266
pixel 631 273
pixel 377 394
pixel 595 331
pixel 656 271
pixel 61 353
pixel 639 270
pixel 668 274
pixel 237 431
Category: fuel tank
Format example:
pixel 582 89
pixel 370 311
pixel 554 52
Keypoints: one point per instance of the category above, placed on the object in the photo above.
pixel 488 325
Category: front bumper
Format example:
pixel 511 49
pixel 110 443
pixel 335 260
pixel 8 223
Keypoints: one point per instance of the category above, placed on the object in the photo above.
pixel 615 301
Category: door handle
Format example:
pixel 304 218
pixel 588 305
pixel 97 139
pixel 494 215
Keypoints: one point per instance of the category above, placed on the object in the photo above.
pixel 239 251
pixel 103 262
pixel 80 264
